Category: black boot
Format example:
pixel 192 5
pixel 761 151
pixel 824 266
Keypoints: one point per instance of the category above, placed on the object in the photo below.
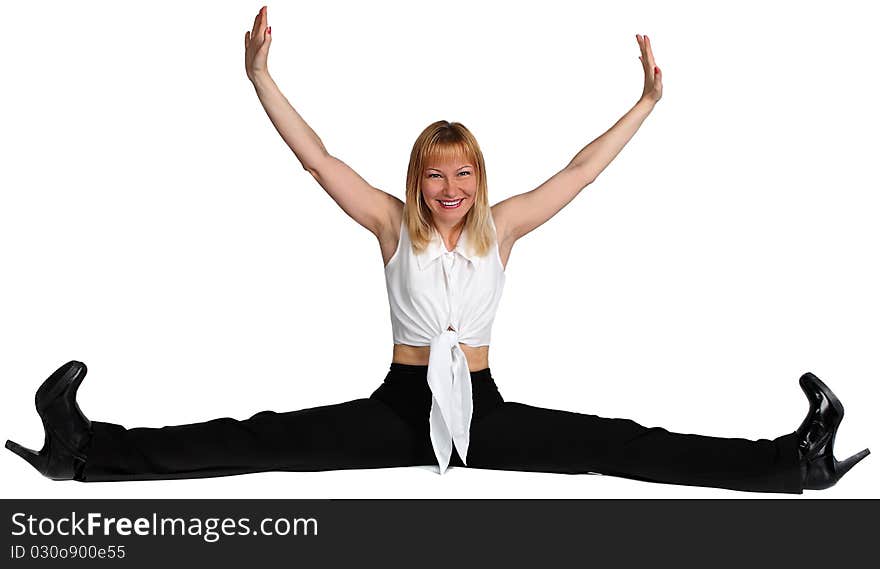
pixel 819 469
pixel 68 432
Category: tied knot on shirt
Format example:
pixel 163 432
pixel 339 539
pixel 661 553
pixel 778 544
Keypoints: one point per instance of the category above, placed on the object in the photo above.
pixel 451 398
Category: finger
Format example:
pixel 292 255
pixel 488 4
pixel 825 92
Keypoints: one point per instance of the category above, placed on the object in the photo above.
pixel 649 51
pixel 247 39
pixel 256 25
pixel 645 67
pixel 646 55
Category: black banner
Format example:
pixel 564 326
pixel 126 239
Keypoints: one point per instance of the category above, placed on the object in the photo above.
pixel 142 533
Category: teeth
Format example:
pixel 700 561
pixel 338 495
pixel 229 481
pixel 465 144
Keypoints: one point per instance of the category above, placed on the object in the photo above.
pixel 450 203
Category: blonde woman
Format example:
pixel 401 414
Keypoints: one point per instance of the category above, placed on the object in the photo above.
pixel 445 250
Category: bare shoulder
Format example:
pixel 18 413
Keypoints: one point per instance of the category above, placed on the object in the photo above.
pixel 388 232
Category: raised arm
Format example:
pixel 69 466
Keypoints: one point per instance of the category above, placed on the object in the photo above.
pixel 369 206
pixel 525 212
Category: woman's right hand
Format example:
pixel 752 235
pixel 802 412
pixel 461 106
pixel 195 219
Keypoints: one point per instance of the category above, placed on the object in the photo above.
pixel 256 46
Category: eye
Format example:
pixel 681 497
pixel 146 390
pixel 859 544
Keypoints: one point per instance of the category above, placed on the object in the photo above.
pixel 465 172
pixel 432 174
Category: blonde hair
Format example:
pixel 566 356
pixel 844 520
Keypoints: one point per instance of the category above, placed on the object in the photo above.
pixel 445 141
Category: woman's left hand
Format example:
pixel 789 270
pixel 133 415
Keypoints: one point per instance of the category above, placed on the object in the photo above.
pixel 653 78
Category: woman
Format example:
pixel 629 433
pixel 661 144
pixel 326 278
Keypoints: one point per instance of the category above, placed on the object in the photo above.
pixel 444 251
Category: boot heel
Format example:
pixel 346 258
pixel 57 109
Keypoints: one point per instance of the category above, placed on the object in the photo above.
pixel 843 466
pixel 34 458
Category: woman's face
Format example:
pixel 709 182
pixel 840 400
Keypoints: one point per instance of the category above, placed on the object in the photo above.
pixel 449 190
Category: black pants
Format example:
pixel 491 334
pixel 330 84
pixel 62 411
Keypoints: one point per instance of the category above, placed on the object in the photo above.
pixel 390 428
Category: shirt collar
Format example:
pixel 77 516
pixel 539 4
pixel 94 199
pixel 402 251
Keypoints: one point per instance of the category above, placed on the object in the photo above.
pixel 436 248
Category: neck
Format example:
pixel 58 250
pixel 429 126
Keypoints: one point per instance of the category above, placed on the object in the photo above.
pixel 450 233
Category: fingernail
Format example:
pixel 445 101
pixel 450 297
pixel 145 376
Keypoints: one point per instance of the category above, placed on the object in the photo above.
pixel 269 30
pixel 656 69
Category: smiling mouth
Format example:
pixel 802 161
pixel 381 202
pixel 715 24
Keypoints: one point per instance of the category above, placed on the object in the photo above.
pixel 451 204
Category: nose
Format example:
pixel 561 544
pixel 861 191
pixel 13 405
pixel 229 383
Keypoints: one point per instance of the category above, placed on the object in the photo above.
pixel 449 189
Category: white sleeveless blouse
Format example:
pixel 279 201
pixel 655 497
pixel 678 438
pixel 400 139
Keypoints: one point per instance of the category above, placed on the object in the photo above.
pixel 439 298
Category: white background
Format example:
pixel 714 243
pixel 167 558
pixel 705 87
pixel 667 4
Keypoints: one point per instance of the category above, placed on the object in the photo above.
pixel 155 226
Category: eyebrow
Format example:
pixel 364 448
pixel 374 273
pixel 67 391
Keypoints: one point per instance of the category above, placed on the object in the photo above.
pixel 462 168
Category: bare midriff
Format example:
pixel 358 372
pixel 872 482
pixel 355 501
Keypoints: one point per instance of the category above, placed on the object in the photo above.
pixel 477 357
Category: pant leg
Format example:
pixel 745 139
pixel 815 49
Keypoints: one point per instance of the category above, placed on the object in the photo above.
pixel 363 433
pixel 522 437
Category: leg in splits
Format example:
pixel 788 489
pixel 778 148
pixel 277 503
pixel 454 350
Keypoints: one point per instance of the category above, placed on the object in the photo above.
pixel 362 433
pixel 514 436
pixel 522 437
